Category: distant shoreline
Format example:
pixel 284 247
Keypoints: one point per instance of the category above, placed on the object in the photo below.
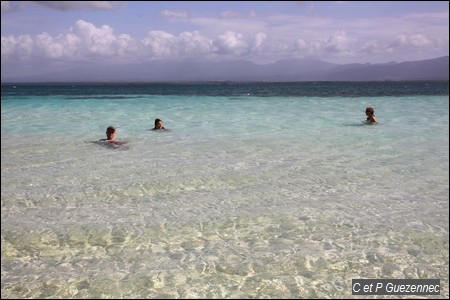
pixel 285 70
pixel 208 82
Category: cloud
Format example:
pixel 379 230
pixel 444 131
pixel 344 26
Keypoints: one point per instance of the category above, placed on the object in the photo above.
pixel 174 14
pixel 50 47
pixel 10 6
pixel 159 43
pixel 263 48
pixel 83 42
pixel 21 48
pixel 97 40
pixel 231 43
pixel 229 21
pixel 339 43
pixel 163 45
pixel 193 44
pixel 229 14
pixel 303 48
pixel 375 47
pixel 260 39
pixel 415 40
pixel 405 43
pixel 77 5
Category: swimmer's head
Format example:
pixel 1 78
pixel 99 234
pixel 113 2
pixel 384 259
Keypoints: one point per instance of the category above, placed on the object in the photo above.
pixel 370 110
pixel 110 132
pixel 158 124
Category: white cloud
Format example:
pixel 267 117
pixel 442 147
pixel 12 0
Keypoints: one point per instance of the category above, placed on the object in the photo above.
pixel 50 47
pixel 264 48
pixel 418 40
pixel 62 47
pixel 229 14
pixel 339 43
pixel 416 43
pixel 8 45
pixel 98 40
pixel 304 48
pixel 193 44
pixel 260 40
pixel 159 43
pixel 231 43
pixel 405 44
pixel 242 23
pixel 375 47
pixel 20 48
pixel 174 14
pixel 84 42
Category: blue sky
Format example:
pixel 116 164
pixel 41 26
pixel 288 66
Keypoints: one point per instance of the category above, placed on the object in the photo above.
pixel 52 36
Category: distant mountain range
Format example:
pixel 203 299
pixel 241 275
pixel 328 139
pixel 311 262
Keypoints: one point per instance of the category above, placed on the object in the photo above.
pixel 283 70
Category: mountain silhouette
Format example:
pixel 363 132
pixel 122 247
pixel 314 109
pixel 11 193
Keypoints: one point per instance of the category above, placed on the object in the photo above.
pixel 243 70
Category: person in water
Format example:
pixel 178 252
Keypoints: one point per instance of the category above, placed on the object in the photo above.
pixel 110 137
pixel 370 113
pixel 158 125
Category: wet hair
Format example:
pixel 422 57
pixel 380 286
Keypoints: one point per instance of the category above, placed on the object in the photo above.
pixel 370 109
pixel 156 121
pixel 110 129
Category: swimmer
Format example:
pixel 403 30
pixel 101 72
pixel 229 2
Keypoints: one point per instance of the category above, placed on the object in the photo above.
pixel 370 113
pixel 158 125
pixel 110 137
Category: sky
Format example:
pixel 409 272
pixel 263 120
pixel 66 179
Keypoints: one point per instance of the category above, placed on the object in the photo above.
pixel 51 36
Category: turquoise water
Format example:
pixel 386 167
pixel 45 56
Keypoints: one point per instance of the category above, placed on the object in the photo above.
pixel 283 193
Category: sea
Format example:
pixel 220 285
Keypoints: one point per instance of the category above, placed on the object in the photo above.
pixel 255 190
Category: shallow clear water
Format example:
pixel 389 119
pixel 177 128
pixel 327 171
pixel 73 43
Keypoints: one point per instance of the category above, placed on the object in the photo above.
pixel 245 196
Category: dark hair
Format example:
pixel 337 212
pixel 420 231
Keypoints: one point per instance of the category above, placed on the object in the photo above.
pixel 157 120
pixel 110 129
pixel 370 109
